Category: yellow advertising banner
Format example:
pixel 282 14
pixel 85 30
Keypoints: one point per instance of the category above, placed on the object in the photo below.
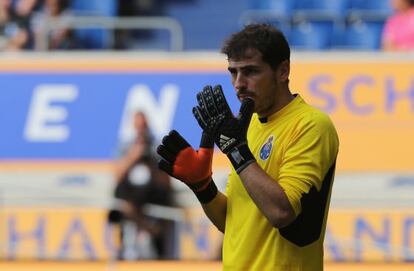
pixel 380 235
pixel 367 235
pixel 56 233
pixel 372 105
pixel 85 234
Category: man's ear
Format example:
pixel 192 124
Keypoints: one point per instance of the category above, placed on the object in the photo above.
pixel 284 71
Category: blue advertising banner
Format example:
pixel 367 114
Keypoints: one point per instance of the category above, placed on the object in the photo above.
pixel 80 108
pixel 84 115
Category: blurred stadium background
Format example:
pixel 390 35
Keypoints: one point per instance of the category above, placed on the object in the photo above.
pixel 63 111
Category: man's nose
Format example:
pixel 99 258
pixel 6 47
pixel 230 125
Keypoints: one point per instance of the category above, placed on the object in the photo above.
pixel 240 82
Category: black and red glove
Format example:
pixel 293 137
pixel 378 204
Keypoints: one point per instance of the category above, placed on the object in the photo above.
pixel 214 116
pixel 192 167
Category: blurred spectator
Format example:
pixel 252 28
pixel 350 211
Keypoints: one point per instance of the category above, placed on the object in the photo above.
pixel 139 182
pixel 137 7
pixel 126 39
pixel 15 18
pixel 26 7
pixel 54 11
pixel 398 32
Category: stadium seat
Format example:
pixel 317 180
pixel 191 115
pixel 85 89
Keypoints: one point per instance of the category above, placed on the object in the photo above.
pixel 370 9
pixel 325 8
pixel 323 19
pixel 312 35
pixel 94 7
pixel 363 35
pixel 365 22
pixel 270 11
pixel 94 38
pixel 283 7
pixel 371 5
pixel 380 5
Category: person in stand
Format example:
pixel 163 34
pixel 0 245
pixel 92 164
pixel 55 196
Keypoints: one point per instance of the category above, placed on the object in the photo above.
pixel 398 33
pixel 283 154
pixel 139 182
pixel 15 26
pixel 61 38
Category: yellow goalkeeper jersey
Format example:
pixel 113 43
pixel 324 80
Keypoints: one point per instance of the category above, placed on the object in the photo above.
pixel 297 146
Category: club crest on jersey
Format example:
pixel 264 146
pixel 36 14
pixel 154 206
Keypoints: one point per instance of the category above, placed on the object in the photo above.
pixel 266 149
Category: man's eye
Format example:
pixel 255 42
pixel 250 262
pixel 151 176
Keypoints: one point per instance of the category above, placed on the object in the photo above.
pixel 233 74
pixel 250 72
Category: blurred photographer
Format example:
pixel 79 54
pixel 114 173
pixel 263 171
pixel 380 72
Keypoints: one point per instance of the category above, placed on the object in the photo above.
pixel 139 182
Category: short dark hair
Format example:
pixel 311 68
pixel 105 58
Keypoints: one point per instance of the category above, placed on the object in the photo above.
pixel 265 38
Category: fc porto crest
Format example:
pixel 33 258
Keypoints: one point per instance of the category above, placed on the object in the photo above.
pixel 266 149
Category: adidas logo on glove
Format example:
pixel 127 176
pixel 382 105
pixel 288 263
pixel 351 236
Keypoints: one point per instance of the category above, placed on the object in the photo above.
pixel 226 141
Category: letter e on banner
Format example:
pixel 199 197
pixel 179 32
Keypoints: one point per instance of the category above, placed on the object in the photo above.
pixel 44 120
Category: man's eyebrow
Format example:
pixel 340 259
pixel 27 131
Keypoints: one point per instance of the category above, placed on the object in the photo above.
pixel 242 67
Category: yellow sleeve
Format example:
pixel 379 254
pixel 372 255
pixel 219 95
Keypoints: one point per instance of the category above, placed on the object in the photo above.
pixel 307 158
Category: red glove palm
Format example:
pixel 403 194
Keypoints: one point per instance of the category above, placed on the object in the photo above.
pixel 181 161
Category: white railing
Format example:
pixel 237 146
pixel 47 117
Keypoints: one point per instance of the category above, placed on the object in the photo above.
pixel 88 22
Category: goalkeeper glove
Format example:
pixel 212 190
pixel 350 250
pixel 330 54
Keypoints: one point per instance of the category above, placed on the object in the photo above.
pixel 214 116
pixel 192 167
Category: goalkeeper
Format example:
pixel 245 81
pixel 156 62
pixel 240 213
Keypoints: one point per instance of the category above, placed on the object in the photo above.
pixel 282 150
